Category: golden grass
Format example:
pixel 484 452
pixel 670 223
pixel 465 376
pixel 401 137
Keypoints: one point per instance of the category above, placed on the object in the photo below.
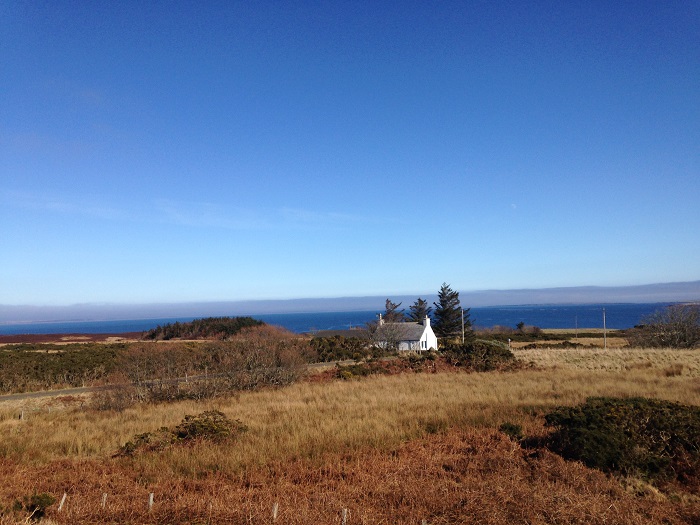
pixel 311 419
pixel 395 449
pixel 656 361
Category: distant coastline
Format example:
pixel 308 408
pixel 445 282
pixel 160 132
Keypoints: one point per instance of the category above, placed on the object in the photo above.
pixel 582 316
pixel 650 293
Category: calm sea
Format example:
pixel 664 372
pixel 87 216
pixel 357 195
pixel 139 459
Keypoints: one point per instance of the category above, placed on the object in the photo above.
pixel 544 316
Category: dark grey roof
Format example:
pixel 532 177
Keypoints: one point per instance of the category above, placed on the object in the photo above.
pixel 401 331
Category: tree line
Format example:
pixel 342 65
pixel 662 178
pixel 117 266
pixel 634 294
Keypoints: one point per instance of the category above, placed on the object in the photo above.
pixel 448 319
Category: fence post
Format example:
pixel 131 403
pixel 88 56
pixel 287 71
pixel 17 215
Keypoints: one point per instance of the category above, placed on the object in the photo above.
pixel 63 500
pixel 104 500
pixel 150 502
pixel 275 508
pixel 344 515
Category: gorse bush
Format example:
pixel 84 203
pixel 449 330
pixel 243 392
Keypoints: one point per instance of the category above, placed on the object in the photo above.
pixel 339 348
pixel 481 355
pixel 212 425
pixel 35 506
pixel 37 367
pixel 512 430
pixel 207 328
pixel 658 440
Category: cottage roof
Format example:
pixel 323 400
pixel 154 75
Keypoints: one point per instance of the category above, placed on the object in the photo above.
pixel 401 331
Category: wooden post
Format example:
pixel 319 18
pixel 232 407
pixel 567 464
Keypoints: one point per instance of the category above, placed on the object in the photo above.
pixel 104 500
pixel 150 502
pixel 275 508
pixel 21 415
pixel 63 500
pixel 344 516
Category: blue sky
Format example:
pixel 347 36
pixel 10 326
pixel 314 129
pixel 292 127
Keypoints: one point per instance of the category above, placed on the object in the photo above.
pixel 182 151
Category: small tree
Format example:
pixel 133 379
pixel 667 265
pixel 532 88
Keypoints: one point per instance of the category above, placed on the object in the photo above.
pixel 392 314
pixel 677 326
pixel 385 333
pixel 419 310
pixel 449 315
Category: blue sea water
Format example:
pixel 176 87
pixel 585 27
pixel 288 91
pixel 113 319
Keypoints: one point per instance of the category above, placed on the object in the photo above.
pixel 545 316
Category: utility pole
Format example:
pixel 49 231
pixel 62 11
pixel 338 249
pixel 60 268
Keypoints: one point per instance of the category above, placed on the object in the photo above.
pixel 605 333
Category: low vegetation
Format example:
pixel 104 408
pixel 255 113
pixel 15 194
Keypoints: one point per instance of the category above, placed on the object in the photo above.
pixel 481 356
pixel 341 348
pixel 390 448
pixel 206 328
pixel 654 439
pixel 211 425
pixel 25 367
pixel 677 326
pixel 477 433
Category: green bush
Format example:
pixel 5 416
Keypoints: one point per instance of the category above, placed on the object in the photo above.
pixel 481 355
pixel 206 328
pixel 44 366
pixel 512 430
pixel 340 348
pixel 35 505
pixel 658 440
pixel 361 369
pixel 212 425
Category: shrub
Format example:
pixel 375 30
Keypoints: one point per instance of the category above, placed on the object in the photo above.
pixel 658 440
pixel 677 326
pixel 211 426
pixel 35 505
pixel 339 348
pixel 512 430
pixel 361 369
pixel 207 328
pixel 481 355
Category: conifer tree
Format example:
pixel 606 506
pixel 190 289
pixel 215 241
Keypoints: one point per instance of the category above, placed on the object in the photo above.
pixel 419 310
pixel 392 314
pixel 448 315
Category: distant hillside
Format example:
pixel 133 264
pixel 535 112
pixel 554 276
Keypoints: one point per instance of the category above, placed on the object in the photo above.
pixel 650 293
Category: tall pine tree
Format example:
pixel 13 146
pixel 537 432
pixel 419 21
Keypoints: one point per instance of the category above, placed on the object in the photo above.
pixel 448 315
pixel 419 310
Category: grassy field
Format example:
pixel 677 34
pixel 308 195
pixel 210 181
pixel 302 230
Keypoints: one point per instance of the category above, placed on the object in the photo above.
pixel 391 449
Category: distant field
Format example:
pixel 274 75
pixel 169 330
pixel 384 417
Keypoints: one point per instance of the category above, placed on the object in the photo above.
pixel 392 449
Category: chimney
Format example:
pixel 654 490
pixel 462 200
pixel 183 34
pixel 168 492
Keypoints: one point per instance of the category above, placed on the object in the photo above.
pixel 426 321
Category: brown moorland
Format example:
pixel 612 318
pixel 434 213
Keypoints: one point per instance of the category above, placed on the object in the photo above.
pixel 390 449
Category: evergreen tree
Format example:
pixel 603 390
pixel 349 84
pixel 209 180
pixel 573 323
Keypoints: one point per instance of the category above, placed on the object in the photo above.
pixel 448 315
pixel 392 314
pixel 419 310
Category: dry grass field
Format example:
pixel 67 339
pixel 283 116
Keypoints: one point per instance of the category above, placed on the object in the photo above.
pixel 390 449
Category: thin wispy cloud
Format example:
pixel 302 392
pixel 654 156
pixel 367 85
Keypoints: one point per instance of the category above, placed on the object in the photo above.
pixel 182 213
pixel 61 204
pixel 213 215
pixel 208 215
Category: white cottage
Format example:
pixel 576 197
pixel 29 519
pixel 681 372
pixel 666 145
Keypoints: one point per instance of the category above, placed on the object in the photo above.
pixel 416 337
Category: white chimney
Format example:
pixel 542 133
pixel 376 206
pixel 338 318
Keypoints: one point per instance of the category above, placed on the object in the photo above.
pixel 426 321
